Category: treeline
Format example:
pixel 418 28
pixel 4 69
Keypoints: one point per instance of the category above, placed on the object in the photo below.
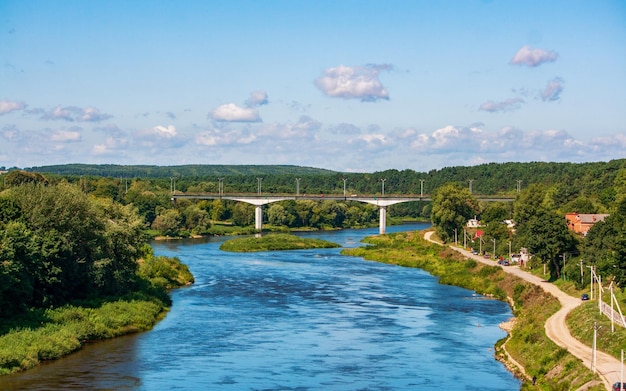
pixel 570 179
pixel 190 170
pixel 584 188
pixel 59 245
pixel 151 198
pixel 538 214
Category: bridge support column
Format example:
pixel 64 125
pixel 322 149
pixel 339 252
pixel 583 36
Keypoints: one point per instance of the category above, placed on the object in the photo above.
pixel 258 217
pixel 383 220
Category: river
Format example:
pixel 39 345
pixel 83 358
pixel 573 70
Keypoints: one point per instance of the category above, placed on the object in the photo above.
pixel 296 320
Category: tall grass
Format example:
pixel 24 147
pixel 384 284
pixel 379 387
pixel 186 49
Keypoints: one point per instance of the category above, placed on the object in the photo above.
pixel 65 329
pixel 274 242
pixel 46 334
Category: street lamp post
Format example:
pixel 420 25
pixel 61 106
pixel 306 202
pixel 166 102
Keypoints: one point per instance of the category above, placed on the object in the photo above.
pixel 220 186
pixel 297 186
pixel 519 185
pixel 470 185
pixel 259 185
pixel 421 187
pixel 344 187
pixel 383 181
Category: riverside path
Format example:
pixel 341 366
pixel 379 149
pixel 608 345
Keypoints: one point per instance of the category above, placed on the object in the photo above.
pixel 608 367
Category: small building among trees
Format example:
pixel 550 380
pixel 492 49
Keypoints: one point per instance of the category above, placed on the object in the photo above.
pixel 582 222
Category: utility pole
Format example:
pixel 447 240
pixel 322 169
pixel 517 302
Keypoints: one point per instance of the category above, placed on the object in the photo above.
pixel 470 185
pixel 519 185
pixel 344 187
pixel 494 247
pixel 383 181
pixel 455 238
pixel 593 350
pixel 421 187
pixel 582 272
pixel 297 186
pixel 220 186
pixel 258 180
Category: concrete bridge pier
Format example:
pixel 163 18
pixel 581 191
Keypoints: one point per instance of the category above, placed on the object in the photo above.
pixel 382 228
pixel 258 217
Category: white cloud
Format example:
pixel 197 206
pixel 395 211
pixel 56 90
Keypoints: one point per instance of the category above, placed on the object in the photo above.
pixel 64 136
pixel 111 146
pixel 372 141
pixel 7 106
pixel 165 131
pixel 305 128
pixel 257 98
pixel 533 57
pixel 73 113
pixel 224 137
pixel 553 90
pixel 345 129
pixel 504 106
pixel 354 82
pixel 10 133
pixel 161 137
pixel 230 112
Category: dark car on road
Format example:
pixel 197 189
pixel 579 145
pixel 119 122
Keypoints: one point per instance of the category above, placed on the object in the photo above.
pixel 619 387
pixel 584 297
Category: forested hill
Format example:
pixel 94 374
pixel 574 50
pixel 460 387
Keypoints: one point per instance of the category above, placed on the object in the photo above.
pixel 568 179
pixel 191 170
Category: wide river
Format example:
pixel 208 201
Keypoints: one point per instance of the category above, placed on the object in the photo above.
pixel 297 320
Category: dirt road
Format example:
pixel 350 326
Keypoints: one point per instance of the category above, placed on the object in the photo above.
pixel 608 367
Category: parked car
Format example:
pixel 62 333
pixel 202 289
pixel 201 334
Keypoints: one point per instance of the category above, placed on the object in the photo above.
pixel 475 252
pixel 619 386
pixel 584 297
pixel 505 262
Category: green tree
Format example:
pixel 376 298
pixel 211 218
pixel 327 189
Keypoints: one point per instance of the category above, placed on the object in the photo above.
pixel 277 214
pixel 168 222
pixel 243 214
pixel 452 207
pixel 606 245
pixel 197 220
pixel 115 264
pixel 218 210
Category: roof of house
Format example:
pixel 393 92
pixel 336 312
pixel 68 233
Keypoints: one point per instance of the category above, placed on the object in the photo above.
pixel 589 218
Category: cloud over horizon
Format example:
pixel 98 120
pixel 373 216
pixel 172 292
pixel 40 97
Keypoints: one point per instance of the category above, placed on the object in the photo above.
pixel 73 113
pixel 552 91
pixel 359 82
pixel 533 57
pixel 7 106
pixel 504 106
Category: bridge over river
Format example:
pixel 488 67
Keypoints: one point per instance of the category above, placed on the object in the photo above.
pixel 381 201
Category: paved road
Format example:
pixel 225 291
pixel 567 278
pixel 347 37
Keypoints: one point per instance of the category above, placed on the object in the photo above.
pixel 608 367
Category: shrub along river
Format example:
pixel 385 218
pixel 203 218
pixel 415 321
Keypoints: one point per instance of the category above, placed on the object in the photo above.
pixel 296 320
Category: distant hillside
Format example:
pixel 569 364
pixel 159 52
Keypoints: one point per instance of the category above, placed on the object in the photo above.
pixel 193 170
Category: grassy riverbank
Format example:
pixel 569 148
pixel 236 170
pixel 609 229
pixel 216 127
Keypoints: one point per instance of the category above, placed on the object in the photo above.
pixel 527 344
pixel 274 242
pixel 39 334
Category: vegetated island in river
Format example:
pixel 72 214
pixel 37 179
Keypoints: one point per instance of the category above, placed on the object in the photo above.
pixel 274 242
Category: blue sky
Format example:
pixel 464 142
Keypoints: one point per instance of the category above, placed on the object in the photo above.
pixel 345 85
